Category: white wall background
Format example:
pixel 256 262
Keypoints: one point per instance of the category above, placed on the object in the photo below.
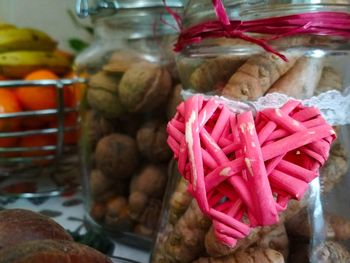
pixel 47 15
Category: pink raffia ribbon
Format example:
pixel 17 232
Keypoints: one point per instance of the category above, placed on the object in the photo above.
pixel 243 170
pixel 335 24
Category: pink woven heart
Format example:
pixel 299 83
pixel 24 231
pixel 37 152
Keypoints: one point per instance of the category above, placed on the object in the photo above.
pixel 243 170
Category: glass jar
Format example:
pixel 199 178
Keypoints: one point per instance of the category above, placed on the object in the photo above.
pixel 131 90
pixel 243 71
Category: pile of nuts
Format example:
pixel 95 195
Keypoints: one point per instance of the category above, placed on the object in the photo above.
pixel 128 104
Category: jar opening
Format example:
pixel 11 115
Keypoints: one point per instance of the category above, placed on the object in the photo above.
pixel 279 8
pixel 104 8
pixel 136 24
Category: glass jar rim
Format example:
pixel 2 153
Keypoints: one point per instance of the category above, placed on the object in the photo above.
pixel 282 7
pixel 85 8
pixel 201 11
pixel 135 24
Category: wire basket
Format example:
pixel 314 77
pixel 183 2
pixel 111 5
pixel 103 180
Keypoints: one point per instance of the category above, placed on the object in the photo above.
pixel 51 172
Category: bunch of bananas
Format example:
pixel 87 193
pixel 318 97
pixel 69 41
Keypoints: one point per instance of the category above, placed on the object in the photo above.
pixel 23 50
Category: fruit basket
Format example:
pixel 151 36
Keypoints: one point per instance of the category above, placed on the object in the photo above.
pixel 37 147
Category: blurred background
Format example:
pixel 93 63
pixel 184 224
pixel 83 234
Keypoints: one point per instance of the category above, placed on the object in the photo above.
pixel 56 18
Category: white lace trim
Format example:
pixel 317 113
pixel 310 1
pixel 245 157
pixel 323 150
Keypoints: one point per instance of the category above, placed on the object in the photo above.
pixel 334 105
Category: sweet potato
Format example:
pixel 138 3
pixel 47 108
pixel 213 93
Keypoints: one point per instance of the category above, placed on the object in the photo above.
pixel 214 73
pixel 217 249
pixel 186 241
pixel 253 255
pixel 331 252
pixel 276 239
pixel 336 227
pixel 257 75
pixel 335 167
pixel 330 79
pixel 301 80
pixel 179 201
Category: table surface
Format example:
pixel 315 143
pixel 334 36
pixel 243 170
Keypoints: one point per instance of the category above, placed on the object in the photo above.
pixel 68 211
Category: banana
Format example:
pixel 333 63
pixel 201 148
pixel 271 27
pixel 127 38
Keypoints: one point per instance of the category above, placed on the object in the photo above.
pixel 17 64
pixel 4 25
pixel 12 39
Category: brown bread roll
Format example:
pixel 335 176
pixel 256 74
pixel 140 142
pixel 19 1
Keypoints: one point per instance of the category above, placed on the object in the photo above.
pixel 20 225
pixel 51 251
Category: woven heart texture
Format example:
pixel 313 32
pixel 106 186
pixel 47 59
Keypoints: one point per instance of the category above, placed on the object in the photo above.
pixel 243 168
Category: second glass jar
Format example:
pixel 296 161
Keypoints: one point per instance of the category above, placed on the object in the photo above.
pixel 130 96
pixel 205 138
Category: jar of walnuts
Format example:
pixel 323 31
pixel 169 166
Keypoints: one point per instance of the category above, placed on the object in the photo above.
pixel 247 185
pixel 131 92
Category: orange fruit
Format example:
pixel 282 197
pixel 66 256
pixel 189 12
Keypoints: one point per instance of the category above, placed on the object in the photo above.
pixel 77 89
pixel 38 98
pixel 3 77
pixel 36 122
pixel 69 97
pixel 37 141
pixel 8 104
pixel 41 97
pixel 70 120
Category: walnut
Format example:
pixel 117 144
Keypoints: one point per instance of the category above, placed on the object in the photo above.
pixel 117 213
pixel 98 211
pixel 116 155
pixel 102 94
pixel 103 187
pixel 95 127
pixel 144 87
pixel 152 141
pixel 148 184
pixel 120 61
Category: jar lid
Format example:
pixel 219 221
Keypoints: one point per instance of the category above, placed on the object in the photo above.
pixel 85 8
